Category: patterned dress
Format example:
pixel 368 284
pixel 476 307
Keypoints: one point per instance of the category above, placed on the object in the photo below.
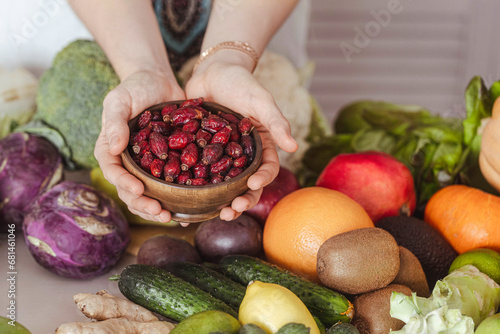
pixel 182 24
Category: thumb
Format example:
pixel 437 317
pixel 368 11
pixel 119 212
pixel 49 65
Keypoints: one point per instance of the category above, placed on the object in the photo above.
pixel 116 113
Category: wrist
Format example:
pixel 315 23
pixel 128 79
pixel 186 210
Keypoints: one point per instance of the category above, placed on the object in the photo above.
pixel 234 53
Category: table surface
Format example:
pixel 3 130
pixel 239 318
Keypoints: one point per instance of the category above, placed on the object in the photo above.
pixel 44 300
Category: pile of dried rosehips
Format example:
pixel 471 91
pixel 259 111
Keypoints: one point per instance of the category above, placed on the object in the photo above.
pixel 187 144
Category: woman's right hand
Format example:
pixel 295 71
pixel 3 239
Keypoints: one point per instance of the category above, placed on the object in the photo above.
pixel 137 92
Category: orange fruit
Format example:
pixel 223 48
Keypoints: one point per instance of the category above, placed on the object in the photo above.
pixel 466 217
pixel 302 221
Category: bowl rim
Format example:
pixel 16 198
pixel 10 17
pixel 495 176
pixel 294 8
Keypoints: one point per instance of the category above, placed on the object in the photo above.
pixel 247 172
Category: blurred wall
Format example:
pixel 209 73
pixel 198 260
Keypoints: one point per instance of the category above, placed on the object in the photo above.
pixel 413 52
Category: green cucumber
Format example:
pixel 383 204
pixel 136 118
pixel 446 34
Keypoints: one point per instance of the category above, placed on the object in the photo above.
pixel 321 326
pixel 294 328
pixel 208 322
pixel 342 328
pixel 328 305
pixel 161 292
pixel 251 329
pixel 209 280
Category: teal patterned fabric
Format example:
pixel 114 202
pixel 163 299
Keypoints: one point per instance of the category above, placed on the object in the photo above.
pixel 182 24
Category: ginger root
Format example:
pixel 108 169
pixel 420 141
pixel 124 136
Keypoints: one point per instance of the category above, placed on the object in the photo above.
pixel 115 326
pixel 103 306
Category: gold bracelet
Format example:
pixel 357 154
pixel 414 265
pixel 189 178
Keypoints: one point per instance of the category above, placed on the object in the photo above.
pixel 235 45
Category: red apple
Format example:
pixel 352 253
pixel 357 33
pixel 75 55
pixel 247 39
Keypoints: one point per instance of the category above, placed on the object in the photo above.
pixel 381 184
pixel 282 185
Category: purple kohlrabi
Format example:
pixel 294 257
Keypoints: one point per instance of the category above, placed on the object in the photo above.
pixel 76 231
pixel 29 165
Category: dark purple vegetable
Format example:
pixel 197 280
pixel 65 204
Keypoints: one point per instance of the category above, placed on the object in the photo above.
pixel 217 238
pixel 29 165
pixel 75 231
pixel 282 185
pixel 162 249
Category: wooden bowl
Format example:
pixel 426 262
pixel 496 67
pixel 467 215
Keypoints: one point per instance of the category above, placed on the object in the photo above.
pixel 193 204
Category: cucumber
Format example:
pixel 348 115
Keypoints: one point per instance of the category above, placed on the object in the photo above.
pixel 161 292
pixel 293 328
pixel 208 322
pixel 342 328
pixel 209 280
pixel 251 329
pixel 321 326
pixel 328 305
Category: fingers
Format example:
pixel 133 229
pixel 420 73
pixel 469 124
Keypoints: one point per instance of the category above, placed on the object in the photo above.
pixel 240 204
pixel 129 188
pixel 269 115
pixel 116 114
pixel 269 167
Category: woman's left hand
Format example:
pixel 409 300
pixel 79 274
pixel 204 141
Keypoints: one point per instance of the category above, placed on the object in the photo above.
pixel 235 87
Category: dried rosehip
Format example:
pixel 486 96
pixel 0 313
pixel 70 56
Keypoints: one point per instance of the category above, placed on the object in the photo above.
pixel 191 126
pixel 183 115
pixel 157 116
pixel 141 148
pixel 161 127
pixel 184 176
pixel 159 145
pixel 172 169
pixel 203 112
pixel 157 167
pixel 191 137
pixel 229 117
pixel 235 134
pixel 221 136
pixel 200 171
pixel 144 119
pixel 174 153
pixel 189 156
pixel 211 154
pixel 241 161
pixel 203 138
pixel 192 102
pixel 196 182
pixel 146 160
pixel 216 178
pixel 221 166
pixel 178 140
pixel 248 146
pixel 165 112
pixel 142 135
pixel 213 123
pixel 245 126
pixel 233 172
pixel 233 149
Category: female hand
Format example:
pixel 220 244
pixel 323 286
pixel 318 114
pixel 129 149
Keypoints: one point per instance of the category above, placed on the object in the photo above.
pixel 137 92
pixel 235 87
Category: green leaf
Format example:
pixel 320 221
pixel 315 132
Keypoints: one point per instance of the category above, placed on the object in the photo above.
pixel 478 105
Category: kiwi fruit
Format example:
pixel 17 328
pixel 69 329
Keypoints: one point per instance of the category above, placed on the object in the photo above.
pixel 411 273
pixel 373 311
pixel 426 243
pixel 358 261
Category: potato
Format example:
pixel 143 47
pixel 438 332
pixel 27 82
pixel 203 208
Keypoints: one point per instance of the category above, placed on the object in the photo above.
pixel 373 311
pixel 358 261
pixel 163 249
pixel 217 238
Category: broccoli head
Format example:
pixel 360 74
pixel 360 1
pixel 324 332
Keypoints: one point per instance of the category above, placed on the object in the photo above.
pixel 70 97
